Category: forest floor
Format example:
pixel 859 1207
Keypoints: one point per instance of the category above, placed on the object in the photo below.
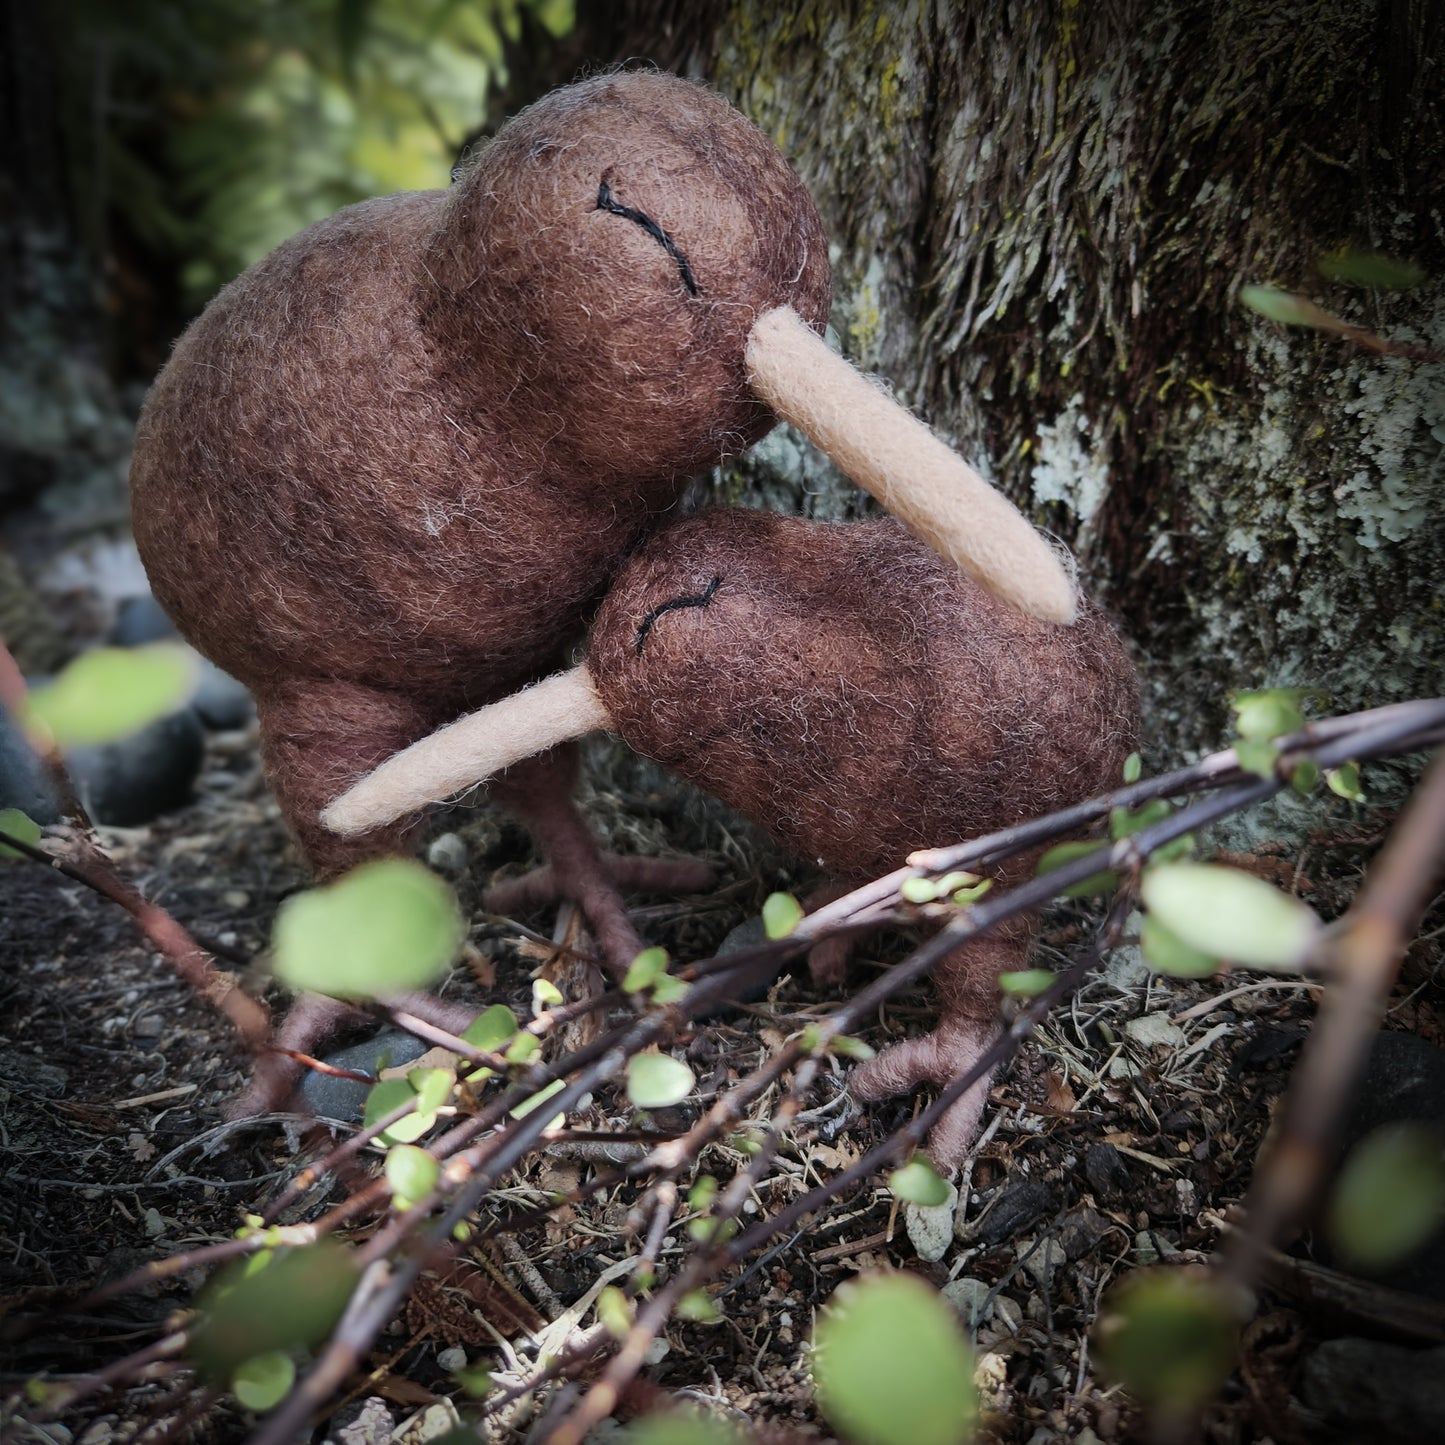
pixel 1123 1134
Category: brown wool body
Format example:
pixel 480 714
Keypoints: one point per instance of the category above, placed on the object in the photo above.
pixel 851 692
pixel 388 474
pixel 859 698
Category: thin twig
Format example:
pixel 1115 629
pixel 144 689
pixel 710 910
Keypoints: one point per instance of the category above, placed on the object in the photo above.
pixel 1366 950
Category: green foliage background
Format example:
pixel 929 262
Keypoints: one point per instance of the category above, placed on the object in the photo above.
pixel 227 126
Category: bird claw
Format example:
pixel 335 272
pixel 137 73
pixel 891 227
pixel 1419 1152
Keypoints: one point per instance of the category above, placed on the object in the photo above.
pixel 938 1058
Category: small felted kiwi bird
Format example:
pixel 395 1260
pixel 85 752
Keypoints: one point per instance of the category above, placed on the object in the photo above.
pixel 845 688
pixel 387 474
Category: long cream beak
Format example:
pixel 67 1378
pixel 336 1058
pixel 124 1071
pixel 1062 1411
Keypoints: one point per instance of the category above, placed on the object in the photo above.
pixel 471 750
pixel 894 456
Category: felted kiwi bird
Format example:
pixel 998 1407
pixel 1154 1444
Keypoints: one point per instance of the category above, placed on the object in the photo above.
pixel 387 474
pixel 847 689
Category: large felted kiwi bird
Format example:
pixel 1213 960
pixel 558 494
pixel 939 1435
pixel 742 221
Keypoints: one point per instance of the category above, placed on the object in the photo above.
pixel 847 689
pixel 389 471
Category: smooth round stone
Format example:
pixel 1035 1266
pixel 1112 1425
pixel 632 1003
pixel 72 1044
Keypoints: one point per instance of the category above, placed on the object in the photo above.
pixel 344 1099
pixel 139 620
pixel 222 703
pixel 138 778
pixel 24 783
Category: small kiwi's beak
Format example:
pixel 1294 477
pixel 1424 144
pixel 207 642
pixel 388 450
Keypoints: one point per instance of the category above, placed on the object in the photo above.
pixel 471 750
pixel 894 456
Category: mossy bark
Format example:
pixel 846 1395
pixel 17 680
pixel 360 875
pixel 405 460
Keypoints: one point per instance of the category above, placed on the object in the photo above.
pixel 1042 215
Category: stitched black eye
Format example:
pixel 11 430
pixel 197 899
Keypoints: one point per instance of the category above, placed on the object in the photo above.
pixel 606 201
pixel 701 600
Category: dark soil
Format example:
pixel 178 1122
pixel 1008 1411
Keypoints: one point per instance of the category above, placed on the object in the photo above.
pixel 1111 1143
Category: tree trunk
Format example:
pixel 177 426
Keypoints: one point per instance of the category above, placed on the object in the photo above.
pixel 1042 215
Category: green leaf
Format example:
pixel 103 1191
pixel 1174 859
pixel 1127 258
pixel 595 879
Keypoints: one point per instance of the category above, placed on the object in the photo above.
pixel 649 966
pixel 1257 756
pixel 656 1080
pixel 1125 822
pixel 1370 268
pixel 383 928
pixel 1230 914
pixel 557 17
pixel 683 1427
pixel 703 1193
pixel 545 995
pixel 535 1101
pixel 918 890
pixel 412 1174
pixel 1390 1196
pixel 432 1087
pixel 264 1380
pixel 491 1028
pixel 698 1306
pixel 892 1366
pixel 391 1094
pixel 918 1182
pixel 1026 982
pixel 668 989
pixel 289 1300
pixel 19 827
pixel 1268 713
pixel 782 913
pixel 1133 767
pixel 964 896
pixel 1304 777
pixel 847 1047
pixel 711 1231
pixel 614 1313
pixel 1345 780
pixel 958 881
pixel 522 1048
pixel 1172 851
pixel 112 692
pixel 1283 306
pixel 476 1380
pixel 1170 954
pixel 1168 1336
pixel 1061 853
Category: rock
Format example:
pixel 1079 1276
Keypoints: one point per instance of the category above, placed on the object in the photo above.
pixel 1367 1390
pixel 139 620
pixel 368 1423
pixel 1041 1260
pixel 1106 1171
pixel 344 1099
pixel 141 776
pixel 1020 1206
pixel 122 784
pixel 429 1424
pixel 447 854
pixel 26 1074
pixel 970 1298
pixel 1155 1031
pixel 221 703
pixel 24 783
pixel 930 1227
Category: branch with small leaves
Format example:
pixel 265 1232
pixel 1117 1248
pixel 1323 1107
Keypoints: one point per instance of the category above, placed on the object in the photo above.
pixel 434 1209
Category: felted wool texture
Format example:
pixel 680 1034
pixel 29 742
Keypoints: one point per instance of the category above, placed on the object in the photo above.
pixel 474 747
pixel 851 692
pixel 408 448
pixel 882 447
